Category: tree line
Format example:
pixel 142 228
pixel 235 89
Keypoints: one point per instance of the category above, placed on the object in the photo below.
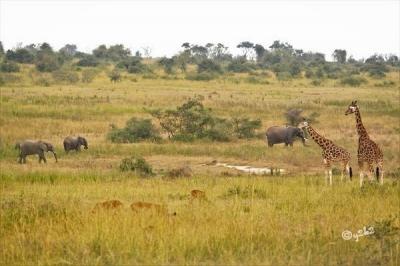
pixel 211 60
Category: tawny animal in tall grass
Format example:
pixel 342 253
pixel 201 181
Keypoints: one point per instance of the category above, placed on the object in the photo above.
pixel 369 153
pixel 108 205
pixel 331 153
pixel 196 194
pixel 140 206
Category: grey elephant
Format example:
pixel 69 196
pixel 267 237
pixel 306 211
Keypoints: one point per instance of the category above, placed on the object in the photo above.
pixel 31 147
pixel 284 134
pixel 72 143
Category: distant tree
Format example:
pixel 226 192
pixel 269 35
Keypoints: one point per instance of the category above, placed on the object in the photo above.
pixel 260 51
pixel 45 47
pixel 46 60
pixel 182 60
pixel 100 52
pixel 208 65
pixel 295 69
pixel 132 64
pixel 246 46
pixel 146 51
pixel 20 55
pixel 87 61
pixel 167 64
pixel 339 56
pixel 186 46
pixel 392 60
pixel 9 66
pixel 199 52
pixel 277 45
pixel 68 50
pixel 1 50
pixel 47 63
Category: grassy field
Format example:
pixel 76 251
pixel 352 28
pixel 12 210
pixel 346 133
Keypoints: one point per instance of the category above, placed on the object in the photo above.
pixel 46 209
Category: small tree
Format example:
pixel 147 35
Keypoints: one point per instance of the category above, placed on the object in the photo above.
pixel 246 46
pixel 339 56
pixel 167 64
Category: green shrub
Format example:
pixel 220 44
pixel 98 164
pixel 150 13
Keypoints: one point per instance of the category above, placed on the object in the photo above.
pixel 47 63
pixel 353 81
pixel 9 67
pixel 208 66
pixel 245 127
pixel 135 130
pixel 137 165
pixel 88 61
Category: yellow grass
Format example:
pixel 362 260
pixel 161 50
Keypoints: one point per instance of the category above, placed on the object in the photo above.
pixel 290 219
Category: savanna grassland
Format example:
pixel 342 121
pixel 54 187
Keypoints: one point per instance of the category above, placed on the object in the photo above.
pixel 294 218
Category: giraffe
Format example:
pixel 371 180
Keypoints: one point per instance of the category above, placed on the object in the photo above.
pixel 369 152
pixel 331 153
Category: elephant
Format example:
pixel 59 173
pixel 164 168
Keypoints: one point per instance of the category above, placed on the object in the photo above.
pixel 284 134
pixel 72 143
pixel 31 147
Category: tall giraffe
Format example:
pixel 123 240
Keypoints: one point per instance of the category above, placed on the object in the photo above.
pixel 331 153
pixel 369 152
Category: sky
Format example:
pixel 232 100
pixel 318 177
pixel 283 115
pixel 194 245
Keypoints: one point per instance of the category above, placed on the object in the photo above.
pixel 362 28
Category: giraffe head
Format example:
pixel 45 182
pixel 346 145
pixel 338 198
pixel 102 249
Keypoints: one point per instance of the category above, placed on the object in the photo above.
pixel 352 108
pixel 303 124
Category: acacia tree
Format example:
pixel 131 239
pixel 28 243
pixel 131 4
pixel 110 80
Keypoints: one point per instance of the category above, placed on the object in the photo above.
pixel 246 47
pixel 340 56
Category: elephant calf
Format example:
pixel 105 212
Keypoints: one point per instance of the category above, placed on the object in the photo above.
pixel 285 135
pixel 31 147
pixel 72 143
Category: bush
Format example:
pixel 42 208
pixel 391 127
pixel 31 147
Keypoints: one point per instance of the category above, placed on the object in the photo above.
pixel 353 81
pixel 192 121
pixel 208 65
pixel 69 77
pixel 137 165
pixel 245 127
pixel 88 61
pixel 240 65
pixel 133 65
pixel 135 130
pixel 9 67
pixel 47 63
pixel 88 75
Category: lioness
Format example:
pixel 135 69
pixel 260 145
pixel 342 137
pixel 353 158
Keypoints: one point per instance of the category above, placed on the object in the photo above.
pixel 108 205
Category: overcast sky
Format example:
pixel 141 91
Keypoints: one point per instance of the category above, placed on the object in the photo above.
pixel 361 27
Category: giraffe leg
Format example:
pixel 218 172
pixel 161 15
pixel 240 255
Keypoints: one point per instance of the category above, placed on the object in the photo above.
pixel 361 166
pixel 330 177
pixel 380 167
pixel 371 173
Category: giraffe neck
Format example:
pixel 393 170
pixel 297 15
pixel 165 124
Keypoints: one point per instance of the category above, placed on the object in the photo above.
pixel 362 132
pixel 320 140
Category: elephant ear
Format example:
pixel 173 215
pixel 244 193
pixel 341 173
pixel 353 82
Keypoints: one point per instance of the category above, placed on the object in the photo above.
pixel 43 146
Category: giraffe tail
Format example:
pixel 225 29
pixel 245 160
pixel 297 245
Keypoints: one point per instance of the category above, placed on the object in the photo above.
pixel 350 173
pixel 377 173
